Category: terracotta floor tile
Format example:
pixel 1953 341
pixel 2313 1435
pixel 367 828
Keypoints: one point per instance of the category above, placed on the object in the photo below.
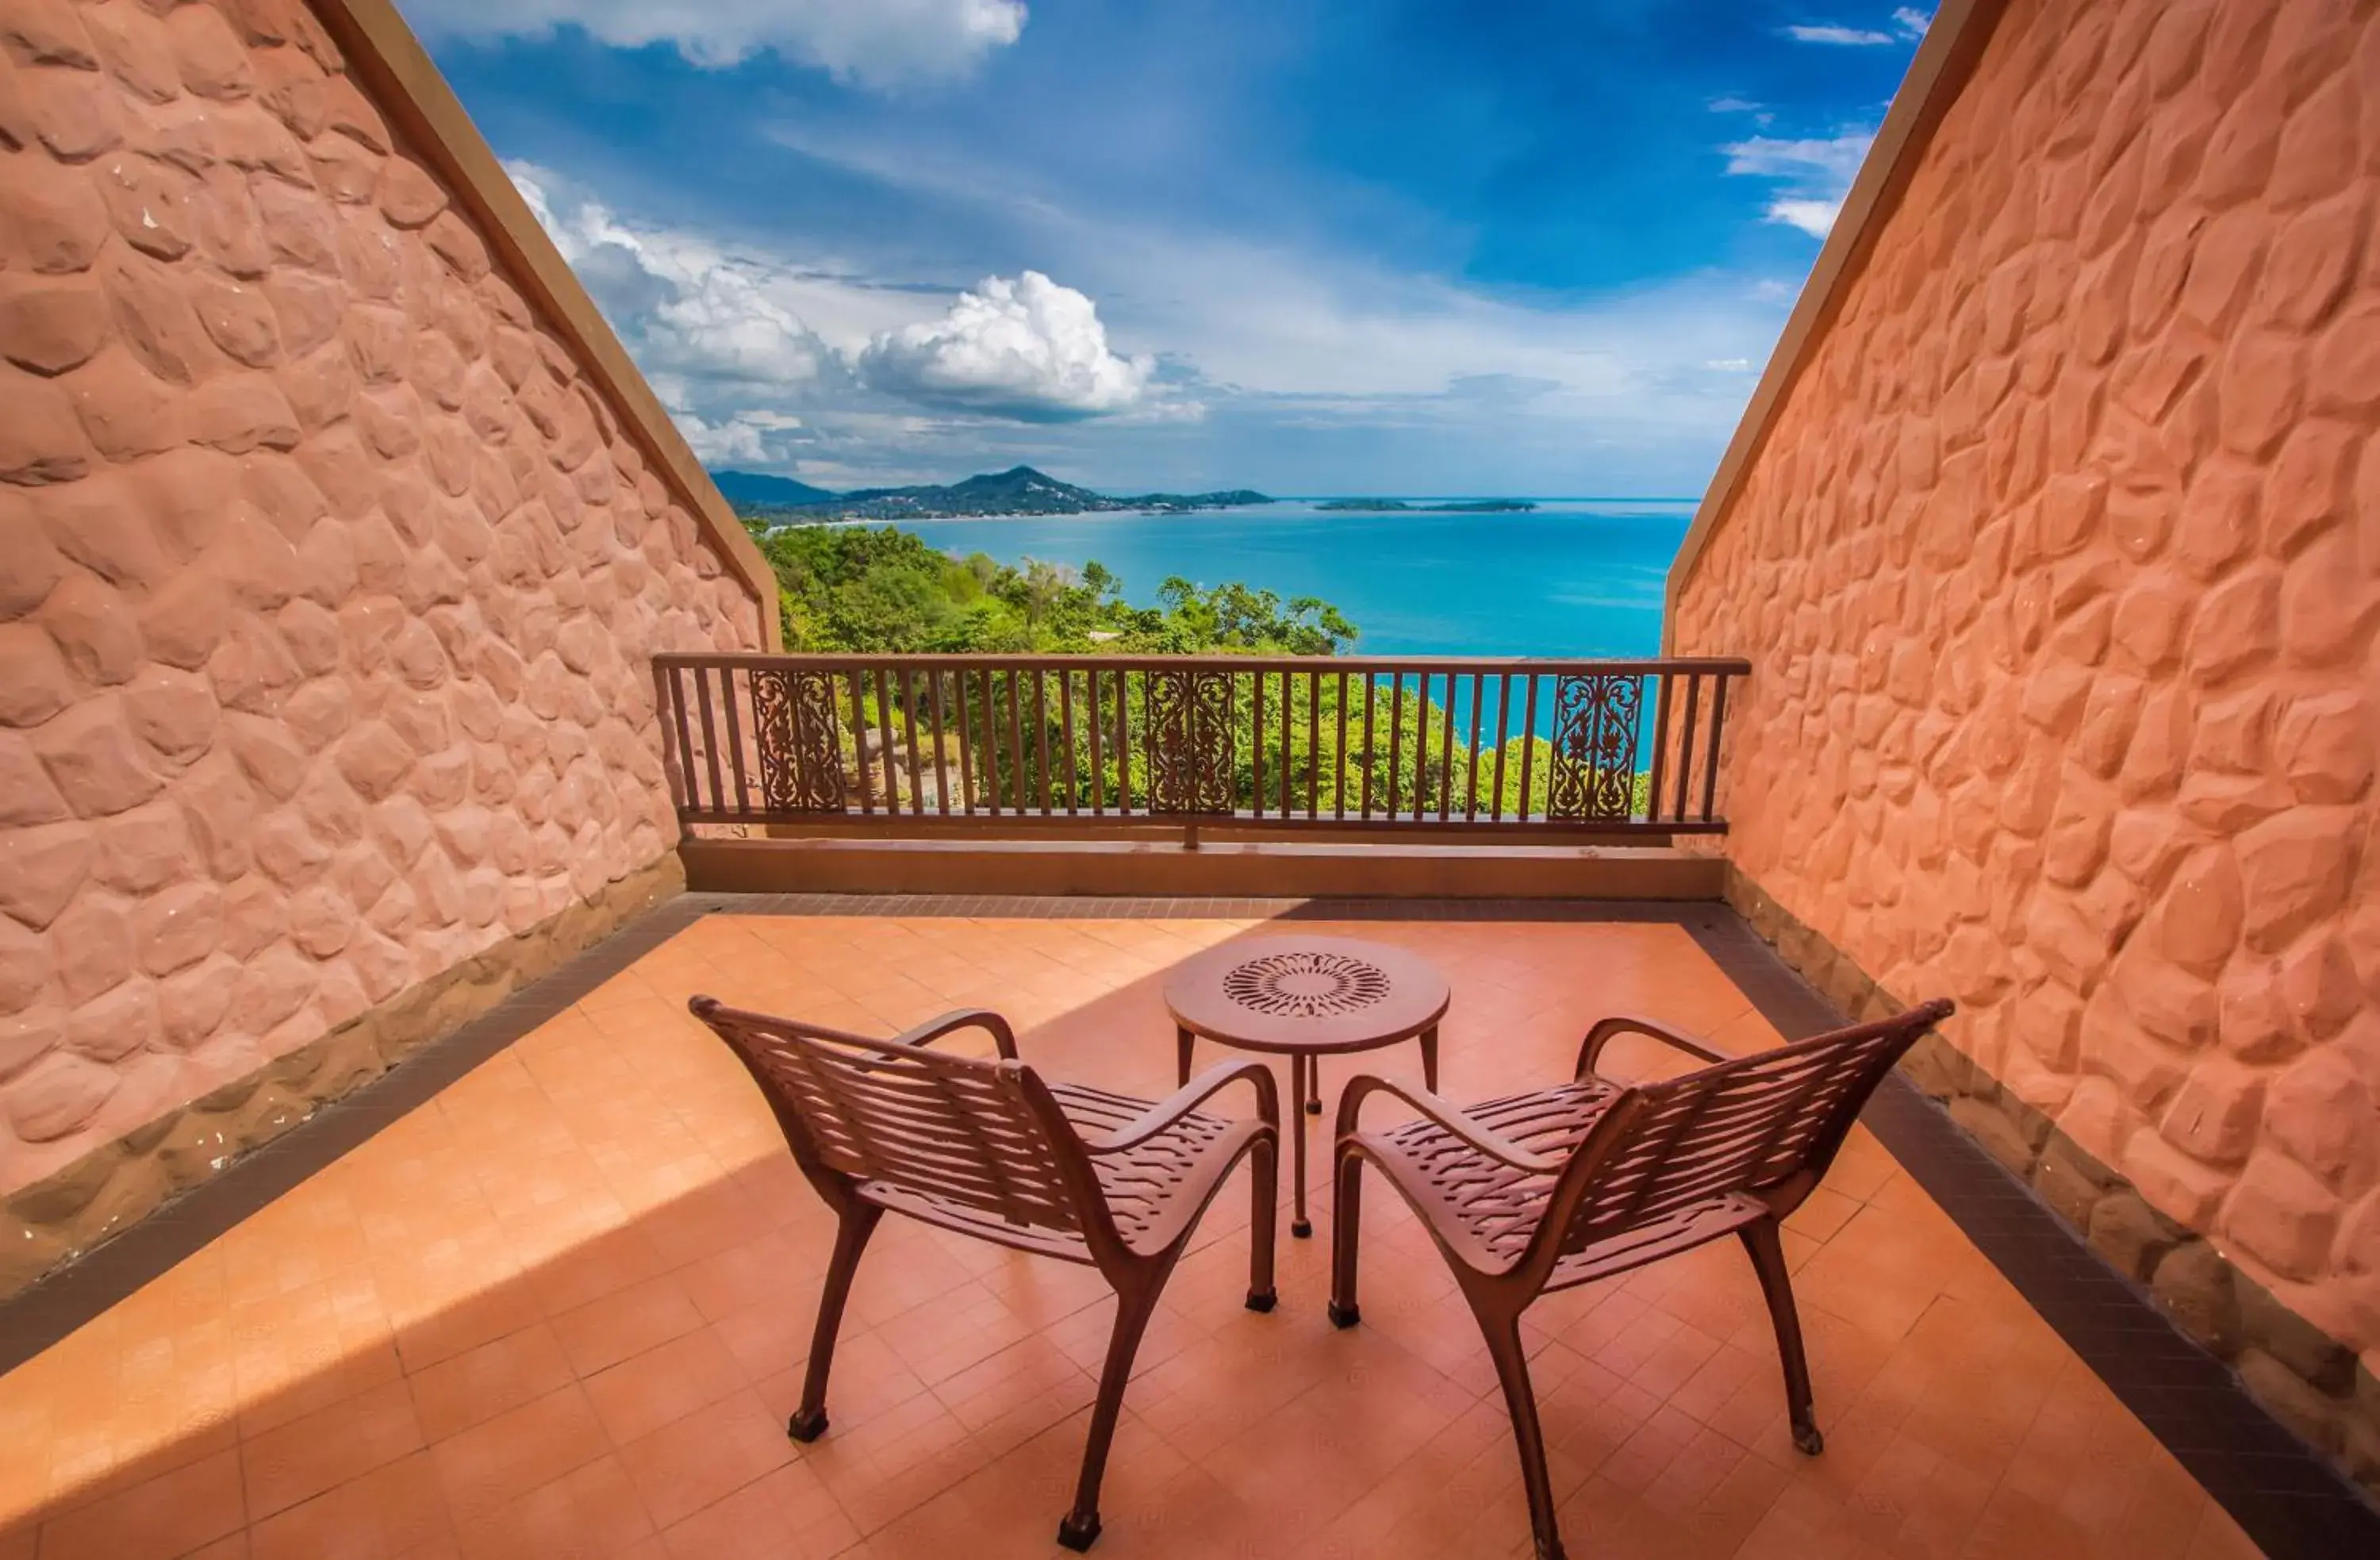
pixel 784 1515
pixel 771 1335
pixel 626 1324
pixel 594 1270
pixel 304 1365
pixel 592 1511
pixel 451 1395
pixel 1031 1377
pixel 1800 1524
pixel 586 1276
pixel 468 1324
pixel 868 1379
pixel 167 1515
pixel 393 1513
pixel 765 1268
pixel 491 1464
pixel 299 1460
pixel 895 1462
pixel 640 1395
pixel 705 1456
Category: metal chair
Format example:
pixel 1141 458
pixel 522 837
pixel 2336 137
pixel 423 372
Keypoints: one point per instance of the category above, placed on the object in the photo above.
pixel 988 1149
pixel 1564 1186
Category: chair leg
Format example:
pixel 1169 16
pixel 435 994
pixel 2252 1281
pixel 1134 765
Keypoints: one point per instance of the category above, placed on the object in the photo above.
pixel 1503 1335
pixel 1133 1308
pixel 1769 1261
pixel 1264 1213
pixel 1299 1062
pixel 860 1221
pixel 1346 1226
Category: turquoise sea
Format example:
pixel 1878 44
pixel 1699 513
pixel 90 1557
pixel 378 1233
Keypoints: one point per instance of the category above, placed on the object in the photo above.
pixel 1571 578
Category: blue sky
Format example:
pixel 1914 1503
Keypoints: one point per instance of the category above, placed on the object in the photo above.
pixel 1371 246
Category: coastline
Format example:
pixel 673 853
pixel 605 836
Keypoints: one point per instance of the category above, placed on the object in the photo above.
pixel 1055 515
pixel 1288 508
pixel 1566 579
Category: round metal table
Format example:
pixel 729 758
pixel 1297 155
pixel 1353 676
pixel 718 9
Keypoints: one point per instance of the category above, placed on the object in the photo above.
pixel 1306 997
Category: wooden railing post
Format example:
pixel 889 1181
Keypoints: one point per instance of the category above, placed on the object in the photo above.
pixel 665 715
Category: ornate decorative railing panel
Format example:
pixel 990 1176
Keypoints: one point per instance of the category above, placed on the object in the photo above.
pixel 919 744
pixel 1596 720
pixel 1190 729
pixel 799 739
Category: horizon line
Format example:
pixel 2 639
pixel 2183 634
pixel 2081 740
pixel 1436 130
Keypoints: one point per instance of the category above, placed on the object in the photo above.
pixel 716 473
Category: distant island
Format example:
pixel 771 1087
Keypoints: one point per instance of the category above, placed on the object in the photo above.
pixel 1019 491
pixel 1398 506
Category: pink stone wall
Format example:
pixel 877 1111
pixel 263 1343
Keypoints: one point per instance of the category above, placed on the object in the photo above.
pixel 2061 575
pixel 327 580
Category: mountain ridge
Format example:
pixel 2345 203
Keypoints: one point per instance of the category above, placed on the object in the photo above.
pixel 1020 490
pixel 758 487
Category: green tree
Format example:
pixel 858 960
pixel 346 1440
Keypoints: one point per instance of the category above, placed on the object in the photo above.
pixel 882 590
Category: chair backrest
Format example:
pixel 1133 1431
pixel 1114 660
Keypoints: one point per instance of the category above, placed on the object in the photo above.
pixel 1764 1123
pixel 953 1129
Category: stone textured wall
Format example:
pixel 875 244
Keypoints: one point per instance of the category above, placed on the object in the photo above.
pixel 2060 570
pixel 326 577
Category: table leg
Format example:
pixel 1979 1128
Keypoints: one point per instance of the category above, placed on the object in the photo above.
pixel 1299 1072
pixel 1182 1043
pixel 1313 1086
pixel 1428 1059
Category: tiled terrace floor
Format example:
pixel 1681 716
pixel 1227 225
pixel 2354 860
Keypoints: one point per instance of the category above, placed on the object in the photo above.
pixel 561 1310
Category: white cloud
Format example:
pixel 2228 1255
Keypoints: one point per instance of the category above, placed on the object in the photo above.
pixel 736 442
pixel 1265 319
pixel 1912 22
pixel 744 438
pixel 1733 105
pixel 1730 365
pixel 1028 348
pixel 1283 368
pixel 879 43
pixel 1857 37
pixel 1815 173
pixel 763 360
pixel 692 308
pixel 1834 160
pixel 1815 218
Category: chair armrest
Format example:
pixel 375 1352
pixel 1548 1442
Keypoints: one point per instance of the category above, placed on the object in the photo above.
pixel 982 1019
pixel 1611 1029
pixel 1188 1098
pixel 1444 1115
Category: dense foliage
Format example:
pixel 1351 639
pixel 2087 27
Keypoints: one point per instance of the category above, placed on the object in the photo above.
pixel 886 592
pixel 853 588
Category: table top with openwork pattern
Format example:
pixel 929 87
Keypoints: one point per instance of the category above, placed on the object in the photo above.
pixel 1306 995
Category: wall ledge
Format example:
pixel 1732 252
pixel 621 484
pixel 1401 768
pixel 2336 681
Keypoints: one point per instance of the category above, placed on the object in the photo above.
pixel 408 88
pixel 1939 70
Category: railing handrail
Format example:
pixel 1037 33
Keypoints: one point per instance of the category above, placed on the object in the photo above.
pixel 844 661
pixel 991 742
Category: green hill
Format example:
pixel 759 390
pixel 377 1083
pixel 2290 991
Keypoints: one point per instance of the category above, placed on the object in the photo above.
pixel 1020 490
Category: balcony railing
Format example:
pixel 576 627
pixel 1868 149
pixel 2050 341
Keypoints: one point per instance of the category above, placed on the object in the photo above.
pixel 915 745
